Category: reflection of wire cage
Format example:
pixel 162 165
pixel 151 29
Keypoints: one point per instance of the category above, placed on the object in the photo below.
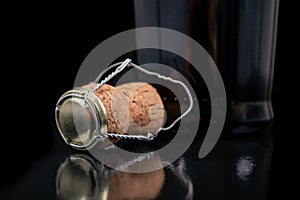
pixel 81 177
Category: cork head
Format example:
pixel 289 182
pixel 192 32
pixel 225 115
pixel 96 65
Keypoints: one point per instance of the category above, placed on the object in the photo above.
pixel 77 119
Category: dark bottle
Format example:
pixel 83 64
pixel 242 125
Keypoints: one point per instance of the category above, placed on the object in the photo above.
pixel 240 37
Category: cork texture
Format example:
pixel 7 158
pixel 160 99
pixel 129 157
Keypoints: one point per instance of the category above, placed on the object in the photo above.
pixel 104 93
pixel 131 108
pixel 138 108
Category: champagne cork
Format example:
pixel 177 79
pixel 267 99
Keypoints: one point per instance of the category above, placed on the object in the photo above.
pixel 133 108
pixel 97 112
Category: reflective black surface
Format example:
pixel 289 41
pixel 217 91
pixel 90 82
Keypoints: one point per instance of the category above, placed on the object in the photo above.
pixel 237 168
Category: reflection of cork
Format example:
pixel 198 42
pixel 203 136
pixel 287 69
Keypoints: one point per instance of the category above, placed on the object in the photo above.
pixel 124 185
pixel 132 108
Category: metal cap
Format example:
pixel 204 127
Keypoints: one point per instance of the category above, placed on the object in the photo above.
pixel 81 118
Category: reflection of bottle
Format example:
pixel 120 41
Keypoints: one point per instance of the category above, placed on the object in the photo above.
pixel 235 169
pixel 240 37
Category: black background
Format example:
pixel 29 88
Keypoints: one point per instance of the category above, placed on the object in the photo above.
pixel 43 47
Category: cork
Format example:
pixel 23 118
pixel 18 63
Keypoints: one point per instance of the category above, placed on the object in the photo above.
pixel 131 108
pixel 104 93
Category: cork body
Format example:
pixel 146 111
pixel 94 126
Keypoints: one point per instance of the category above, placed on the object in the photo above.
pixel 132 108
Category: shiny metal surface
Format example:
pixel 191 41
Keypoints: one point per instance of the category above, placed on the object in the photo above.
pixel 80 121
